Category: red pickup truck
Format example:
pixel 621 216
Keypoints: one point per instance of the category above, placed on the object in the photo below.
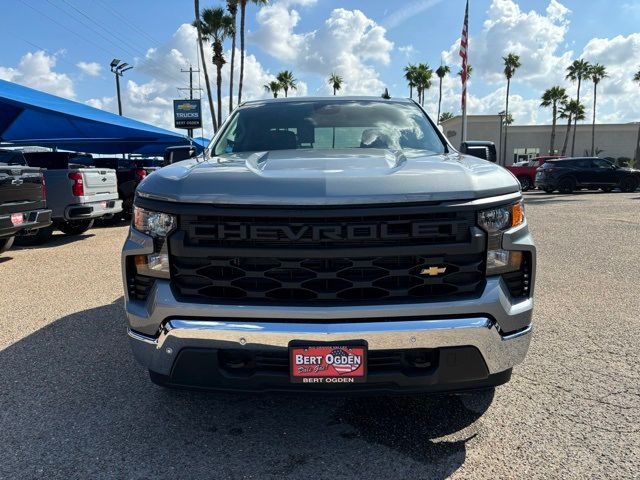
pixel 526 174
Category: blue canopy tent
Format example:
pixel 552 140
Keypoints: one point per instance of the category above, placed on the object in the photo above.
pixel 31 117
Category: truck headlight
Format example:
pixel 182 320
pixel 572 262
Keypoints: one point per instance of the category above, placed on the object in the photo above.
pixel 495 221
pixel 157 225
pixel 154 224
pixel 501 218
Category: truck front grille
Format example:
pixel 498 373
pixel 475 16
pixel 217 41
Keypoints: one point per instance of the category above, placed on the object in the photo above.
pixel 339 256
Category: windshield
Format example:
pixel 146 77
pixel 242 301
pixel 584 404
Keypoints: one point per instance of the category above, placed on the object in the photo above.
pixel 328 124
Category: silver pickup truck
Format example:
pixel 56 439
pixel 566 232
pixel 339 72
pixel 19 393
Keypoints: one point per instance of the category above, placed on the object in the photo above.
pixel 326 244
pixel 76 195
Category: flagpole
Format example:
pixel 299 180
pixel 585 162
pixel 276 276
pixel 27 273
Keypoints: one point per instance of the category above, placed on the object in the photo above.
pixel 464 54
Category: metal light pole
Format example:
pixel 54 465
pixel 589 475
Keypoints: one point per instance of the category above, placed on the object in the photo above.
pixel 501 161
pixel 118 70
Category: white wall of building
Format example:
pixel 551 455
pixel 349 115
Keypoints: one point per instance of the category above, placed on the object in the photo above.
pixel 614 140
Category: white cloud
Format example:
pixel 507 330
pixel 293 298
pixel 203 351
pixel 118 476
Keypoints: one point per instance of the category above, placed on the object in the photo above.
pixel 535 37
pixel 408 11
pixel 618 95
pixel 36 70
pixel 152 101
pixel 89 68
pixel 407 50
pixel 345 44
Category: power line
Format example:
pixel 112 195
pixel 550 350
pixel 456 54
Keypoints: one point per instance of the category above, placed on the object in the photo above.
pixel 98 24
pixel 66 28
pixel 135 28
pixel 137 53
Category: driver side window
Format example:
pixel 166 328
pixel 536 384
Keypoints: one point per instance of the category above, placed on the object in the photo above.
pixel 601 164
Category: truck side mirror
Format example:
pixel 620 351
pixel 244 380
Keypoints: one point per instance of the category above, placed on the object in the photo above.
pixel 177 154
pixel 480 149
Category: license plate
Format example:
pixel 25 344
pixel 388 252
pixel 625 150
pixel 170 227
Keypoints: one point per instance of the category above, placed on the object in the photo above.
pixel 17 218
pixel 103 204
pixel 328 364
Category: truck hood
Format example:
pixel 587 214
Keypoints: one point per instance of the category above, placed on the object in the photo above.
pixel 328 177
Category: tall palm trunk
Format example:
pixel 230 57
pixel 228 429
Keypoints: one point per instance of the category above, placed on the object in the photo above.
pixel 553 129
pixel 439 102
pixel 410 91
pixel 233 58
pixel 575 121
pixel 506 124
pixel 593 125
pixel 566 137
pixel 219 90
pixel 334 91
pixel 196 4
pixel 243 11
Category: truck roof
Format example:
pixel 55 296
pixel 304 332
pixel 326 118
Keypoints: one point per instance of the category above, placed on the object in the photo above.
pixel 327 99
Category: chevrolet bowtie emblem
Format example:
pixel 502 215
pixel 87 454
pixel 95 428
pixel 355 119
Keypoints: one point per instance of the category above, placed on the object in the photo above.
pixel 433 271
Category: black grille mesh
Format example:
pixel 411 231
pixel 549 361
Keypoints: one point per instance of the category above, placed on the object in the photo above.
pixel 333 280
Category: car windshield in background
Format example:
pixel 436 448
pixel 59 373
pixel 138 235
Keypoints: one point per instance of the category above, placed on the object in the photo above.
pixel 328 124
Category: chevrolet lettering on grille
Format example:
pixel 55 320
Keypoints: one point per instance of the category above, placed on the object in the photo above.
pixel 336 232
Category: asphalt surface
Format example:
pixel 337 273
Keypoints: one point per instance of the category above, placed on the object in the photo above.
pixel 74 404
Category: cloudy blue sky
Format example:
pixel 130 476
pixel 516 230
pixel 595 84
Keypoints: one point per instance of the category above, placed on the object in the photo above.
pixel 64 47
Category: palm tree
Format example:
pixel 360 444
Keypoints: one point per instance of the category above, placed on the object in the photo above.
pixel 216 26
pixel 571 110
pixel 336 82
pixel 596 73
pixel 410 77
pixel 444 116
pixel 243 11
pixel 441 72
pixel 511 64
pixel 274 87
pixel 287 81
pixel 232 8
pixel 198 25
pixel 469 72
pixel 578 70
pixel 552 97
pixel 422 80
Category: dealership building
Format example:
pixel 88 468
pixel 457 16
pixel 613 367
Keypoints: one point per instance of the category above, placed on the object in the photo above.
pixel 615 140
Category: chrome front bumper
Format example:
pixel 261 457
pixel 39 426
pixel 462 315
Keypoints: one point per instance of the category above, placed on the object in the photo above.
pixel 499 352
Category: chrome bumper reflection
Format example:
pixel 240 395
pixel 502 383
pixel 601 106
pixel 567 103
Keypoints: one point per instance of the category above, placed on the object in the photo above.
pixel 500 352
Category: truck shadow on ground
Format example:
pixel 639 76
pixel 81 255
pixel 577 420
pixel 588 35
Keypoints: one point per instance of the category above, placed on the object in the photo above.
pixel 56 240
pixel 75 405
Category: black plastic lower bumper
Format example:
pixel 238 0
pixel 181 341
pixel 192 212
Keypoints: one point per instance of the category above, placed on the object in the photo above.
pixel 388 371
pixel 33 220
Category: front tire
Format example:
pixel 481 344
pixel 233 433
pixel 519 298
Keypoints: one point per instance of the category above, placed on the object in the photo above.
pixel 606 189
pixel 629 184
pixel 6 243
pixel 566 185
pixel 525 183
pixel 74 227
pixel 548 190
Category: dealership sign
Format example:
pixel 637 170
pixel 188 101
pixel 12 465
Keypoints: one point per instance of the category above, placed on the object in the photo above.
pixel 187 113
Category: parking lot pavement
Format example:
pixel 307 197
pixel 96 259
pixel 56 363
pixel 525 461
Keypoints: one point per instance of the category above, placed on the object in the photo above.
pixel 74 404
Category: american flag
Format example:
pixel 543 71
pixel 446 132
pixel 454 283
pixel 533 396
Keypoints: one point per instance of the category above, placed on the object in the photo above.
pixel 464 43
pixel 344 368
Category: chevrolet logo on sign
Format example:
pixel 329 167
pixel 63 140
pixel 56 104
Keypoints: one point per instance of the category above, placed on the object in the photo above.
pixel 187 106
pixel 433 271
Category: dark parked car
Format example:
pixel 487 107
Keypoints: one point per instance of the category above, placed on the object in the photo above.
pixel 569 174
pixel 22 198
pixel 129 173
